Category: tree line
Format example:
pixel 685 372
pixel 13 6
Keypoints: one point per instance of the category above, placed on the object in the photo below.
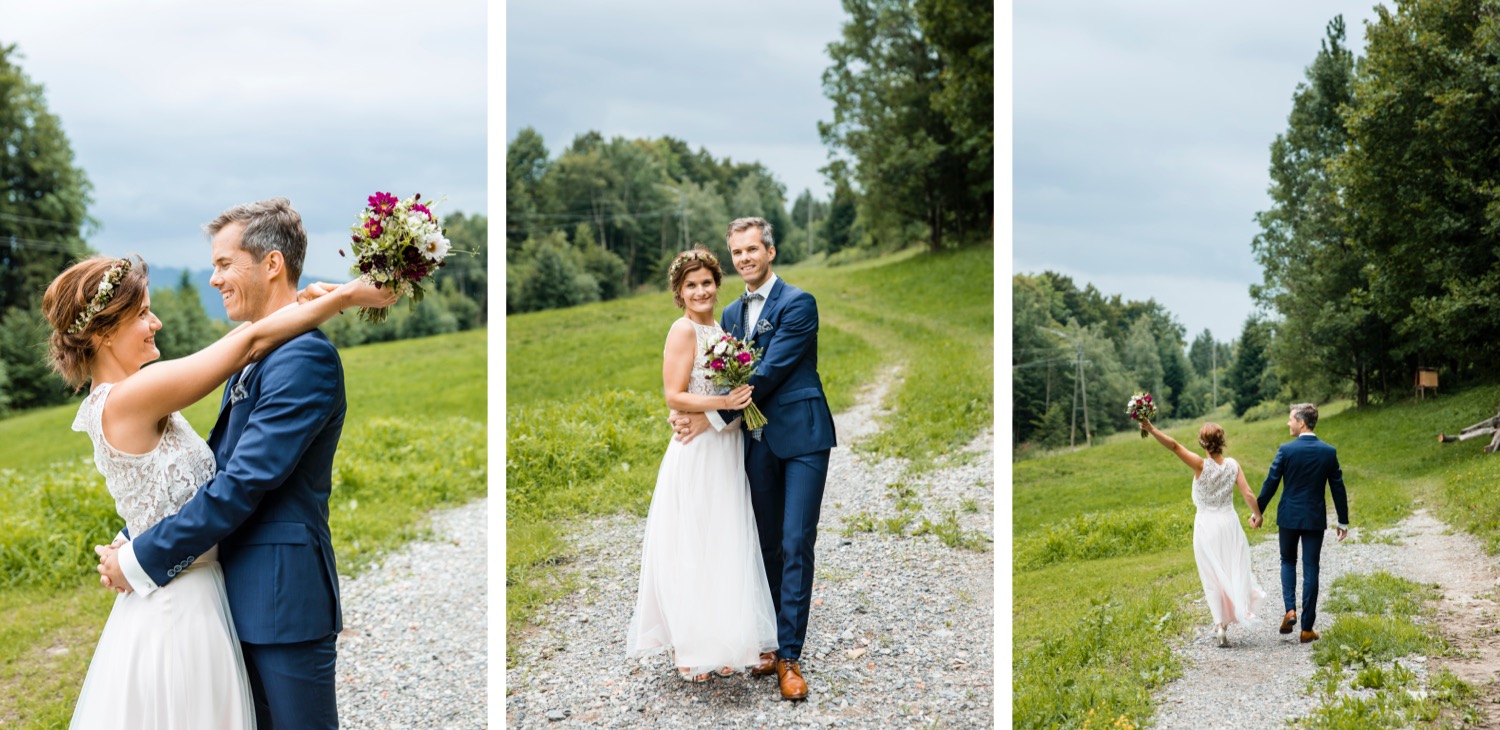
pixel 1078 355
pixel 44 223
pixel 1381 248
pixel 911 148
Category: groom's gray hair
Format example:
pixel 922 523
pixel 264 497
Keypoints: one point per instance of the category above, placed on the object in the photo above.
pixel 1307 413
pixel 744 224
pixel 270 225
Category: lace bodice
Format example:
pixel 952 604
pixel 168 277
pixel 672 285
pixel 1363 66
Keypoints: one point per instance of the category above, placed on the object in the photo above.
pixel 1214 486
pixel 149 486
pixel 701 382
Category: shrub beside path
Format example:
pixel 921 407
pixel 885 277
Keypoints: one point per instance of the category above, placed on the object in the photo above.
pixel 1263 680
pixel 901 628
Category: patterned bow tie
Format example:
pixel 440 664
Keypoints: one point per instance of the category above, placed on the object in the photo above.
pixel 745 300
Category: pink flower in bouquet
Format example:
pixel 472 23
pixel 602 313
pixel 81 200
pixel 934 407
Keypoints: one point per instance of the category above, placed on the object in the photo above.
pixel 717 364
pixel 744 358
pixel 383 203
pixel 373 228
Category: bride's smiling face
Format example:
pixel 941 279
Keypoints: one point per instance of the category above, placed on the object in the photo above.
pixel 699 292
pixel 133 343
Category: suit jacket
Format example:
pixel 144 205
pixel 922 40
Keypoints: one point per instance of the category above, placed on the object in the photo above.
pixel 788 391
pixel 1305 464
pixel 267 507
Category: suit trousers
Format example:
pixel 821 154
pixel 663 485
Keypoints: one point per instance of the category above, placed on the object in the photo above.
pixel 787 495
pixel 1312 550
pixel 294 684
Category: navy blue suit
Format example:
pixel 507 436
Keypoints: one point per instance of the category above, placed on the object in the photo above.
pixel 267 510
pixel 788 466
pixel 1306 465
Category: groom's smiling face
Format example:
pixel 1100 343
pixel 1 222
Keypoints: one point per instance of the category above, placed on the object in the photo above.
pixel 240 279
pixel 751 256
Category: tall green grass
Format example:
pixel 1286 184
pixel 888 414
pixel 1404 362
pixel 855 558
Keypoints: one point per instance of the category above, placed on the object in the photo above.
pixel 1112 523
pixel 586 421
pixel 414 439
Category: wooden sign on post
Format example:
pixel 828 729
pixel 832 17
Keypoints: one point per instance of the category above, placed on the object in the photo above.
pixel 1426 379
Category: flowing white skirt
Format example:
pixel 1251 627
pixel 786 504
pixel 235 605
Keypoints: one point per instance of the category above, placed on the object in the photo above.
pixel 1223 554
pixel 170 660
pixel 703 591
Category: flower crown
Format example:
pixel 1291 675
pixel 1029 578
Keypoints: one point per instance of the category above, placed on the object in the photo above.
pixel 693 255
pixel 101 299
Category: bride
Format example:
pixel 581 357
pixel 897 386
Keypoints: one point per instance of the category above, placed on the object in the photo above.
pixel 703 593
pixel 170 660
pixel 1219 545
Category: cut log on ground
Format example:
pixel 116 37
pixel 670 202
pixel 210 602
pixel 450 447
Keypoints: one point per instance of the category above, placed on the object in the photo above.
pixel 1487 427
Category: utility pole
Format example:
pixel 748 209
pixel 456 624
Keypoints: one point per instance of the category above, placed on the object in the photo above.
pixel 810 201
pixel 1080 381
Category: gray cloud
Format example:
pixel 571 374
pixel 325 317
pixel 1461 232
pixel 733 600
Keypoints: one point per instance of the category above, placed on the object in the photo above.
pixel 743 81
pixel 1141 142
pixel 178 109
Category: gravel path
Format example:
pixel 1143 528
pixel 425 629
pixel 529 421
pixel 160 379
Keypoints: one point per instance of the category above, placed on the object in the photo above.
pixel 900 633
pixel 412 653
pixel 1261 681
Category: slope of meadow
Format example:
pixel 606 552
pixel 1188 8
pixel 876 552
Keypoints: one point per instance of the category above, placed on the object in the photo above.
pixel 414 439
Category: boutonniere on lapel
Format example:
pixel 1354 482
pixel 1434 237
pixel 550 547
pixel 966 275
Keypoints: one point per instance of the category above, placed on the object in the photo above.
pixel 763 327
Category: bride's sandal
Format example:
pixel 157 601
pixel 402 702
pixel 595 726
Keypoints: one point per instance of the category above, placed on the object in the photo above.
pixel 725 672
pixel 687 676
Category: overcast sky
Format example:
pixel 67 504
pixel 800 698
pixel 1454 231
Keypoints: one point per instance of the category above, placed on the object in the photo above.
pixel 744 82
pixel 178 109
pixel 1142 142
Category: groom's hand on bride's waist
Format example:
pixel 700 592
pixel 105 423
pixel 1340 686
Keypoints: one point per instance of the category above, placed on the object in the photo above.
pixel 687 426
pixel 110 575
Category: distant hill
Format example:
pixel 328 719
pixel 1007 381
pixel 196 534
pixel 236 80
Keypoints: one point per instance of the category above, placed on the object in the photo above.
pixel 166 277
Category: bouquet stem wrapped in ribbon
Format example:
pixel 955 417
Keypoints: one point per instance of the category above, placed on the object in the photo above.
pixel 1141 408
pixel 396 243
pixel 733 362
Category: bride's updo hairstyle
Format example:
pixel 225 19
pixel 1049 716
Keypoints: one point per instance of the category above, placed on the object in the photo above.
pixel 697 257
pixel 1211 438
pixel 83 313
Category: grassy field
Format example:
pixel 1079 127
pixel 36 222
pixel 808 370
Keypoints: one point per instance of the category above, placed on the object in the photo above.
pixel 414 439
pixel 1103 566
pixel 591 376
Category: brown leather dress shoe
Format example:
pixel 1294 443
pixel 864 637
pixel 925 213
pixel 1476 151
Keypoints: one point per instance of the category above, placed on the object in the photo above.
pixel 1288 622
pixel 767 665
pixel 1308 637
pixel 793 687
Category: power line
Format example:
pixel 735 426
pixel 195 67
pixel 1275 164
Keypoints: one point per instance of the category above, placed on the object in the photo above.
pixel 14 242
pixel 28 219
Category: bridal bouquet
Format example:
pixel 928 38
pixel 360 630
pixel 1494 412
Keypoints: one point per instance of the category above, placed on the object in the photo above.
pixel 733 362
pixel 1141 408
pixel 397 243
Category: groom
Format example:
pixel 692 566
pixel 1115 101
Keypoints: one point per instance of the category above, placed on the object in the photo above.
pixel 787 460
pixel 267 506
pixel 1306 464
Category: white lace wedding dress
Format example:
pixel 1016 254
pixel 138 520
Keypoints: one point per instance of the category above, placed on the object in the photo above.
pixel 703 591
pixel 1229 586
pixel 170 660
